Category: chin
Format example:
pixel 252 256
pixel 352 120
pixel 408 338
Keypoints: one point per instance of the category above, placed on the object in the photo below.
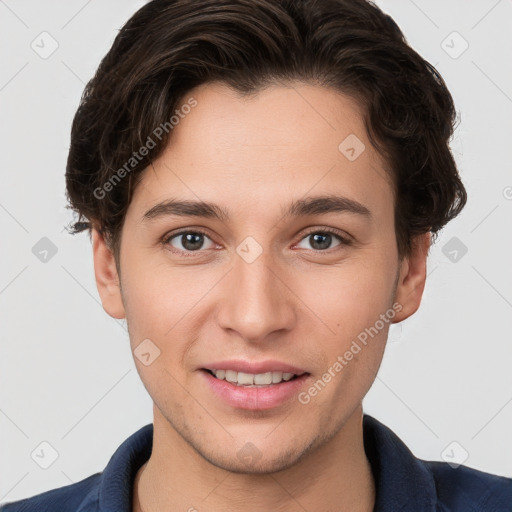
pixel 272 458
pixel 259 464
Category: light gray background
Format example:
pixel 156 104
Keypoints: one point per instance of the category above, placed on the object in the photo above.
pixel 66 373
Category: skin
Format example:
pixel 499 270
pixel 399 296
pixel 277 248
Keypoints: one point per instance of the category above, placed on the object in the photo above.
pixel 298 302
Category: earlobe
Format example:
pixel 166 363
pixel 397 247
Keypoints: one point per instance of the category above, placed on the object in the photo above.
pixel 107 279
pixel 413 273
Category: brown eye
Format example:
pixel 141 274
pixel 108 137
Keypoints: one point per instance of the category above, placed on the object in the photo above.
pixel 187 241
pixel 322 240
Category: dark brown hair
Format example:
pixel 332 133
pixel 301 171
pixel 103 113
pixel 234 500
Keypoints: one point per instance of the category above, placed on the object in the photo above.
pixel 168 47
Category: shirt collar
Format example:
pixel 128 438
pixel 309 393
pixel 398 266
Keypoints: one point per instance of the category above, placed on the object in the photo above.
pixel 402 482
pixel 116 486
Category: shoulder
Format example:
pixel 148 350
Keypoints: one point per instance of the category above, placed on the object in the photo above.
pixel 463 488
pixel 109 490
pixel 428 485
pixel 82 495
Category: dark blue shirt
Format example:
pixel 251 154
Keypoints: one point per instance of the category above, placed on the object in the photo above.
pixel 403 482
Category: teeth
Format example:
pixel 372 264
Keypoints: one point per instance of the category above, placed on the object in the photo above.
pixel 250 379
pixel 277 377
pixel 245 378
pixel 231 376
pixel 263 378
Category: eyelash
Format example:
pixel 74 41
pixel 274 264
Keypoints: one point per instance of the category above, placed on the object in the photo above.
pixel 168 237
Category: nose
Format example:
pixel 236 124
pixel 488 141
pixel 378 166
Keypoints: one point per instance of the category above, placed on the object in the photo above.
pixel 258 299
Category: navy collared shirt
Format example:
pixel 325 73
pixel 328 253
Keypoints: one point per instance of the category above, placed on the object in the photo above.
pixel 403 482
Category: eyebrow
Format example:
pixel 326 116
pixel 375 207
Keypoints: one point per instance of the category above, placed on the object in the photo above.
pixel 317 205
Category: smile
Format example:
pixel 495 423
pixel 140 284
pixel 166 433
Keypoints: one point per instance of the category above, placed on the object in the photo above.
pixel 252 380
pixel 254 391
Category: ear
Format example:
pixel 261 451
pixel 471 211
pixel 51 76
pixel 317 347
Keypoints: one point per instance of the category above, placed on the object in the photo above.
pixel 413 274
pixel 107 280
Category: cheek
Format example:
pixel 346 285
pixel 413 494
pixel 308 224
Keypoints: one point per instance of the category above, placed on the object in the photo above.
pixel 349 301
pixel 154 291
pixel 163 303
pixel 353 345
pixel 148 301
pixel 351 295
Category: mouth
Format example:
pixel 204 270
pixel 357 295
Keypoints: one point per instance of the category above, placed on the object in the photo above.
pixel 253 380
pixel 254 391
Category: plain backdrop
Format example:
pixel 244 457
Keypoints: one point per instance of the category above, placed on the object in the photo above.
pixel 67 378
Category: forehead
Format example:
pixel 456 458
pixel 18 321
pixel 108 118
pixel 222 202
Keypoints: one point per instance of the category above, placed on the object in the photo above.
pixel 283 142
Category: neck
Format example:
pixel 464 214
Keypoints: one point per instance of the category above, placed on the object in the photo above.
pixel 335 476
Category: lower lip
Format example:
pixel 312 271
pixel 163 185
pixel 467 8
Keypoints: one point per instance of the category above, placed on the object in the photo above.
pixel 255 398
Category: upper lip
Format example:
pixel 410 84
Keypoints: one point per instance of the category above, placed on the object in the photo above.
pixel 255 367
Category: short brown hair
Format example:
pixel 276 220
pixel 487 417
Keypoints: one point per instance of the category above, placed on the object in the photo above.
pixel 168 47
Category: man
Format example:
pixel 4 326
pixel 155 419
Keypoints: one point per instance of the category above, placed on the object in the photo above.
pixel 263 180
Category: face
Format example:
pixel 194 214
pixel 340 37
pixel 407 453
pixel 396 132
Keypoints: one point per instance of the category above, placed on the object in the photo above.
pixel 268 275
